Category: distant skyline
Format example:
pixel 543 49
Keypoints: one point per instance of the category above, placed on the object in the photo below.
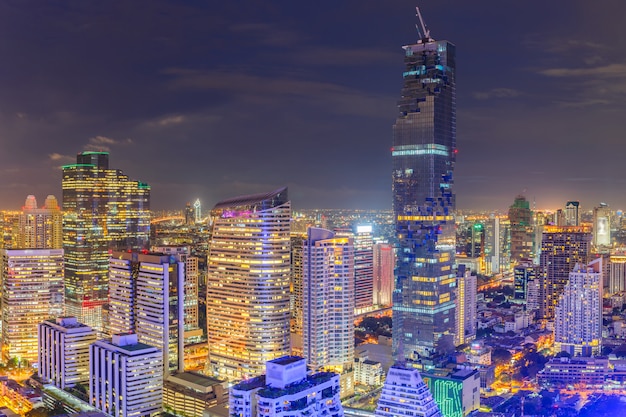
pixel 212 100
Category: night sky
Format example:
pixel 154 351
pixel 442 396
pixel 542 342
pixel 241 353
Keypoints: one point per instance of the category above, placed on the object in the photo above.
pixel 213 99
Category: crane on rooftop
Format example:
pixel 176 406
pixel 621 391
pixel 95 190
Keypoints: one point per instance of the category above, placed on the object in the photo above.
pixel 424 30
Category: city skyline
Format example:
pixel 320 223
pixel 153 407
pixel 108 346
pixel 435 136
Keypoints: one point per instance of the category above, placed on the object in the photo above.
pixel 253 96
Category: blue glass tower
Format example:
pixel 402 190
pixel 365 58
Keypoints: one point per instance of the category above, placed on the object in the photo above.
pixel 423 152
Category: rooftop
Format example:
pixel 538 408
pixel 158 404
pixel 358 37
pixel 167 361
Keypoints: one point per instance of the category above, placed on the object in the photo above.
pixel 309 382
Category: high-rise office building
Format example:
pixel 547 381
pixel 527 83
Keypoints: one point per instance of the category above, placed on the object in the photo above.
pixel 466 317
pixel 102 209
pixel 424 153
pixel 248 284
pixel 457 393
pixel 561 249
pixel 32 291
pixel 406 394
pixel 384 262
pixel 522 231
pixel 40 228
pixel 617 273
pixel 126 377
pixel 602 228
pixel 328 300
pixel 192 282
pixel 296 295
pixel 363 268
pixel 572 213
pixel 147 296
pixel 578 318
pixel 523 273
pixel 64 351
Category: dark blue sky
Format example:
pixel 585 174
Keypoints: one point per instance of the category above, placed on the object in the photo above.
pixel 212 99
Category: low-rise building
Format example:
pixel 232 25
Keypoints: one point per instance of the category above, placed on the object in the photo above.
pixel 190 393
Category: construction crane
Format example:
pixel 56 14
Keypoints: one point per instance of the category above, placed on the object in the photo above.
pixel 424 30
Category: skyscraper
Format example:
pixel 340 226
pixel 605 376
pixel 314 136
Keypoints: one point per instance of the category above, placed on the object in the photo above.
pixel 328 307
pixel 384 260
pixel 406 394
pixel 578 318
pixel 32 291
pixel 248 284
pixel 363 268
pixel 424 153
pixel 561 249
pixel 572 213
pixel 602 228
pixel 466 306
pixel 147 298
pixel 126 377
pixel 40 228
pixel 102 209
pixel 64 351
pixel 522 232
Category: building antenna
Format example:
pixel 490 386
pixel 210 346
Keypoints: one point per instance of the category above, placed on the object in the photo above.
pixel 425 31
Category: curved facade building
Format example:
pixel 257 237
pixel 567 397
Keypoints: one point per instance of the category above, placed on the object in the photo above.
pixel 248 284
pixel 424 153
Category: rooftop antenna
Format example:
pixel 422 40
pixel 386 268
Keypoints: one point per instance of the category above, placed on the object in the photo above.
pixel 425 31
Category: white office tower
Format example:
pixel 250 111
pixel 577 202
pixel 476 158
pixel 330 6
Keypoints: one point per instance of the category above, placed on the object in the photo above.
pixel 328 319
pixel 191 284
pixel 287 391
pixel 64 351
pixel 248 275
pixel 384 262
pixel 146 297
pixel 126 377
pixel 406 394
pixel 578 318
pixel 32 291
pixel 466 316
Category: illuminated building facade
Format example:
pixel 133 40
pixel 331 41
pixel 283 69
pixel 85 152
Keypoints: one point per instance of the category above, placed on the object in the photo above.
pixel 40 228
pixel 363 268
pixel 466 306
pixel 64 351
pixel 617 273
pixel 523 274
pixel 572 213
pixel 102 209
pixel 32 291
pixel 561 249
pixel 457 394
pixel 424 153
pixel 384 262
pixel 578 318
pixel 146 296
pixel 126 377
pixel 296 289
pixel 404 393
pixel 602 227
pixel 287 390
pixel 248 284
pixel 328 300
pixel 522 231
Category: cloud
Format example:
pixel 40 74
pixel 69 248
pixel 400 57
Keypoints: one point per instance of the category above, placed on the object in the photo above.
pixel 343 57
pixel 606 71
pixel 103 143
pixel 582 103
pixel 497 93
pixel 560 45
pixel 265 34
pixel 342 99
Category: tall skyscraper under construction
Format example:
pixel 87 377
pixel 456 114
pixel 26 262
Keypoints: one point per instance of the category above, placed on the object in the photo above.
pixel 102 209
pixel 424 153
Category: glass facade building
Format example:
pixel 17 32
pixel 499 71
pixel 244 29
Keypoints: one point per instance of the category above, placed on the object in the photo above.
pixel 102 209
pixel 424 153
pixel 248 284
